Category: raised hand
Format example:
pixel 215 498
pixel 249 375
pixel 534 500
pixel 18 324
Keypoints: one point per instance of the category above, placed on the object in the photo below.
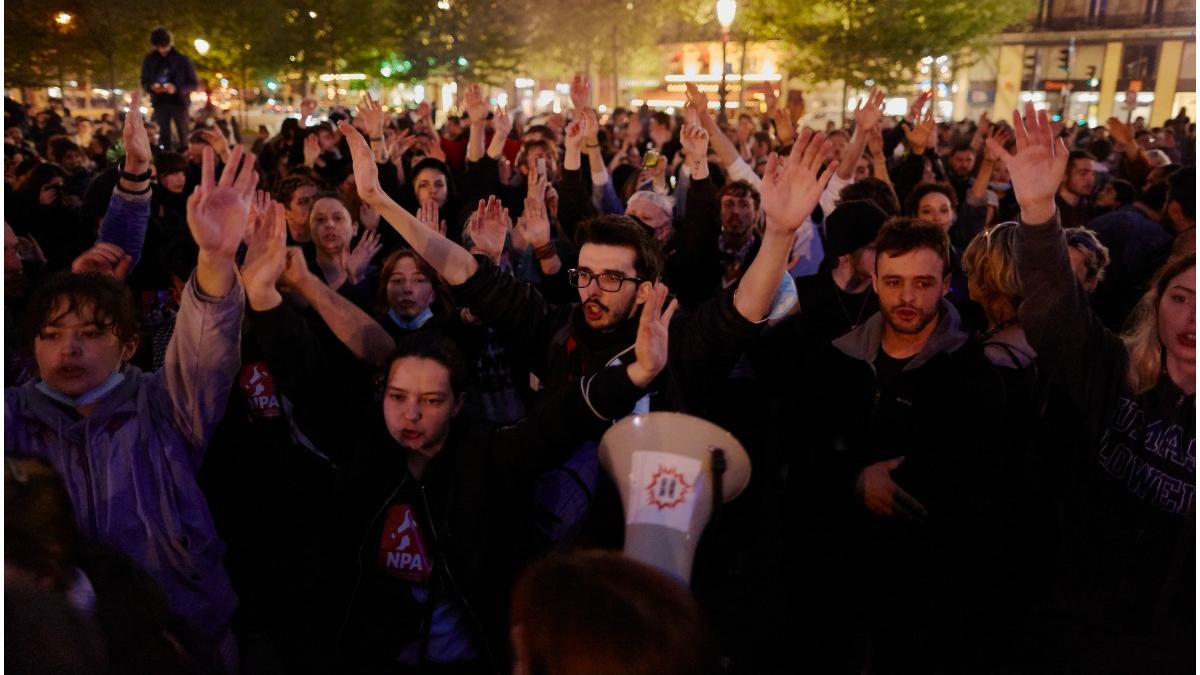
pixel 696 99
pixel 260 211
pixel 432 146
pixel 501 122
pixel 312 149
pixel 372 115
pixel 137 143
pixel 425 114
pixel 475 104
pixel 534 223
pixel 103 258
pixel 792 186
pixel 427 213
pixel 266 241
pixel 295 270
pixel 1122 134
pixel 218 211
pixel 882 496
pixel 581 91
pixel 489 227
pixel 1001 137
pixel 366 174
pixel 591 125
pixel 870 112
pixel 918 137
pixel 914 110
pixel 358 260
pixel 401 143
pixel 653 334
pixel 575 135
pixel 1037 167
pixel 875 141
pixel 307 107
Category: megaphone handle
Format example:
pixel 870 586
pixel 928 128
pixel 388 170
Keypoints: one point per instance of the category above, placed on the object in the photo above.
pixel 718 472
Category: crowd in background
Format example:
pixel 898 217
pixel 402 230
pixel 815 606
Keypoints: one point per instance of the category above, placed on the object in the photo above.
pixel 318 401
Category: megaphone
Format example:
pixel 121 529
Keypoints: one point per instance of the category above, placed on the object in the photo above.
pixel 672 471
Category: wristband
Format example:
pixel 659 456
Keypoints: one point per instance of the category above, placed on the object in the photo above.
pixel 133 177
pixel 376 138
pixel 545 251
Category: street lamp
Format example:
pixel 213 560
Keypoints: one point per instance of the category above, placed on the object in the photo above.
pixel 63 19
pixel 725 11
pixel 201 46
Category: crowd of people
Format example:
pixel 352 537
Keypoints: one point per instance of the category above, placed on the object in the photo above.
pixel 332 403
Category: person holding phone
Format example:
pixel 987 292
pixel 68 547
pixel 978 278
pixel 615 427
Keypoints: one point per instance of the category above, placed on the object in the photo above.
pixel 169 77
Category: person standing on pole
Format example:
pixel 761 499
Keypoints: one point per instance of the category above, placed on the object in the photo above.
pixel 170 77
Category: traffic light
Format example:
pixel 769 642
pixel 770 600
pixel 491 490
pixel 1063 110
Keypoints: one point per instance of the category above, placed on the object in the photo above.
pixel 1091 78
pixel 1064 59
pixel 1032 67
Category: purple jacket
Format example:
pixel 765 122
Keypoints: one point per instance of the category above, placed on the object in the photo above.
pixel 131 466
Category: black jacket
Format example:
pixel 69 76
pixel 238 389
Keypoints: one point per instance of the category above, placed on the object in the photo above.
pixel 934 413
pixel 705 344
pixel 474 499
pixel 174 68
pixel 1128 505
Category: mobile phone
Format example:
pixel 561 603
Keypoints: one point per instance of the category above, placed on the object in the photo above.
pixel 650 159
pixel 541 167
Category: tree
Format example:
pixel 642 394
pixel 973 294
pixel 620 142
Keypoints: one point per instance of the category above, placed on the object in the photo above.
pixel 474 39
pixel 881 41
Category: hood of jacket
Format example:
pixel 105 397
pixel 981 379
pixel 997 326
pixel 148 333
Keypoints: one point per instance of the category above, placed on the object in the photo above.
pixel 863 342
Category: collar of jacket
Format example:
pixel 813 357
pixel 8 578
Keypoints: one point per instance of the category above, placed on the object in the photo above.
pixel 604 343
pixel 863 342
pixel 121 400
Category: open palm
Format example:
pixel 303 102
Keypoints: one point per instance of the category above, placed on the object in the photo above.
pixel 792 186
pixel 218 211
pixel 1038 165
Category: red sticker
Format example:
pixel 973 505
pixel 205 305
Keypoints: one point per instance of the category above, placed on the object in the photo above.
pixel 667 489
pixel 259 388
pixel 402 552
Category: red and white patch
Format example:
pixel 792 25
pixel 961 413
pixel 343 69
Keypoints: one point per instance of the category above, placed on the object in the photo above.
pixel 402 551
pixel 667 489
pixel 259 389
pixel 664 489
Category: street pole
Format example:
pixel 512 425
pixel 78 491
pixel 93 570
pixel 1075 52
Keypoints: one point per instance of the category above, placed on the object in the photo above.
pixel 724 46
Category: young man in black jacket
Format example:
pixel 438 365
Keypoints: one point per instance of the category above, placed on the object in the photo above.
pixel 169 77
pixel 430 525
pixel 893 488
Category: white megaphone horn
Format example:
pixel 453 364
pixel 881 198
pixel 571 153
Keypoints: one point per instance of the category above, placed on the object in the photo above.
pixel 671 469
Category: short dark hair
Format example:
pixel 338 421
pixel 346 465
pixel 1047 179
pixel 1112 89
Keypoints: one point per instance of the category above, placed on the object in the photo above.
pixel 59 146
pixel 539 129
pixel 1077 155
pixel 1100 147
pixel 662 119
pixel 1183 190
pixel 160 37
pixel 170 162
pixel 740 188
pixel 614 230
pixel 110 300
pixel 913 203
pixel 286 188
pixel 900 235
pixel 435 347
pixel 1126 192
pixel 39 522
pixel 33 182
pixel 875 190
pixel 645 622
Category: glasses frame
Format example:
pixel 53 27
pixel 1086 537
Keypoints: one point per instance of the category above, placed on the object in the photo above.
pixel 576 274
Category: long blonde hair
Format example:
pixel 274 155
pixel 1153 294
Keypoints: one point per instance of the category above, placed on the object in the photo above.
pixel 1141 330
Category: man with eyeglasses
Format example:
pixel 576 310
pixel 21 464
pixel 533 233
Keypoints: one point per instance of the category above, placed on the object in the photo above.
pixel 619 264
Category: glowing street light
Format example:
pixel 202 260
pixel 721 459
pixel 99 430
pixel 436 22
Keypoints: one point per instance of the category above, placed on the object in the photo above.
pixel 312 15
pixel 63 19
pixel 725 12
pixel 201 46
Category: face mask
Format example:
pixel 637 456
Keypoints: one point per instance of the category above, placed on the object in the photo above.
pixel 1000 187
pixel 88 398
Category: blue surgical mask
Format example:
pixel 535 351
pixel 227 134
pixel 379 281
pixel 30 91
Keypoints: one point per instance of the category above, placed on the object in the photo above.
pixel 88 398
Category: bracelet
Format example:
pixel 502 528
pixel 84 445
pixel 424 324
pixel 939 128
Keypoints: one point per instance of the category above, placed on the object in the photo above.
pixel 545 251
pixel 133 177
pixel 376 138
pixel 135 193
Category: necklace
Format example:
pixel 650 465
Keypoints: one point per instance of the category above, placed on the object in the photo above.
pixel 837 294
pixel 991 332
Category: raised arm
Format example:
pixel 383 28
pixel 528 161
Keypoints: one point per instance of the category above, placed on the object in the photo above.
pixel 791 189
pixel 1055 312
pixel 865 119
pixel 477 109
pixel 452 261
pixel 128 212
pixel 205 351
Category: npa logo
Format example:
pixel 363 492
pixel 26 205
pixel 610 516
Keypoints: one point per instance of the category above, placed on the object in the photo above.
pixel 667 489
pixel 402 551
pixel 259 388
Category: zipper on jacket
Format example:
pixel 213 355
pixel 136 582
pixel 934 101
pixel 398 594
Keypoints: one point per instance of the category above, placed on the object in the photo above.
pixel 445 564
pixel 358 563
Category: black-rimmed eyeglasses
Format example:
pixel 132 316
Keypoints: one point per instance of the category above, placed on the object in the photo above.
pixel 608 281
